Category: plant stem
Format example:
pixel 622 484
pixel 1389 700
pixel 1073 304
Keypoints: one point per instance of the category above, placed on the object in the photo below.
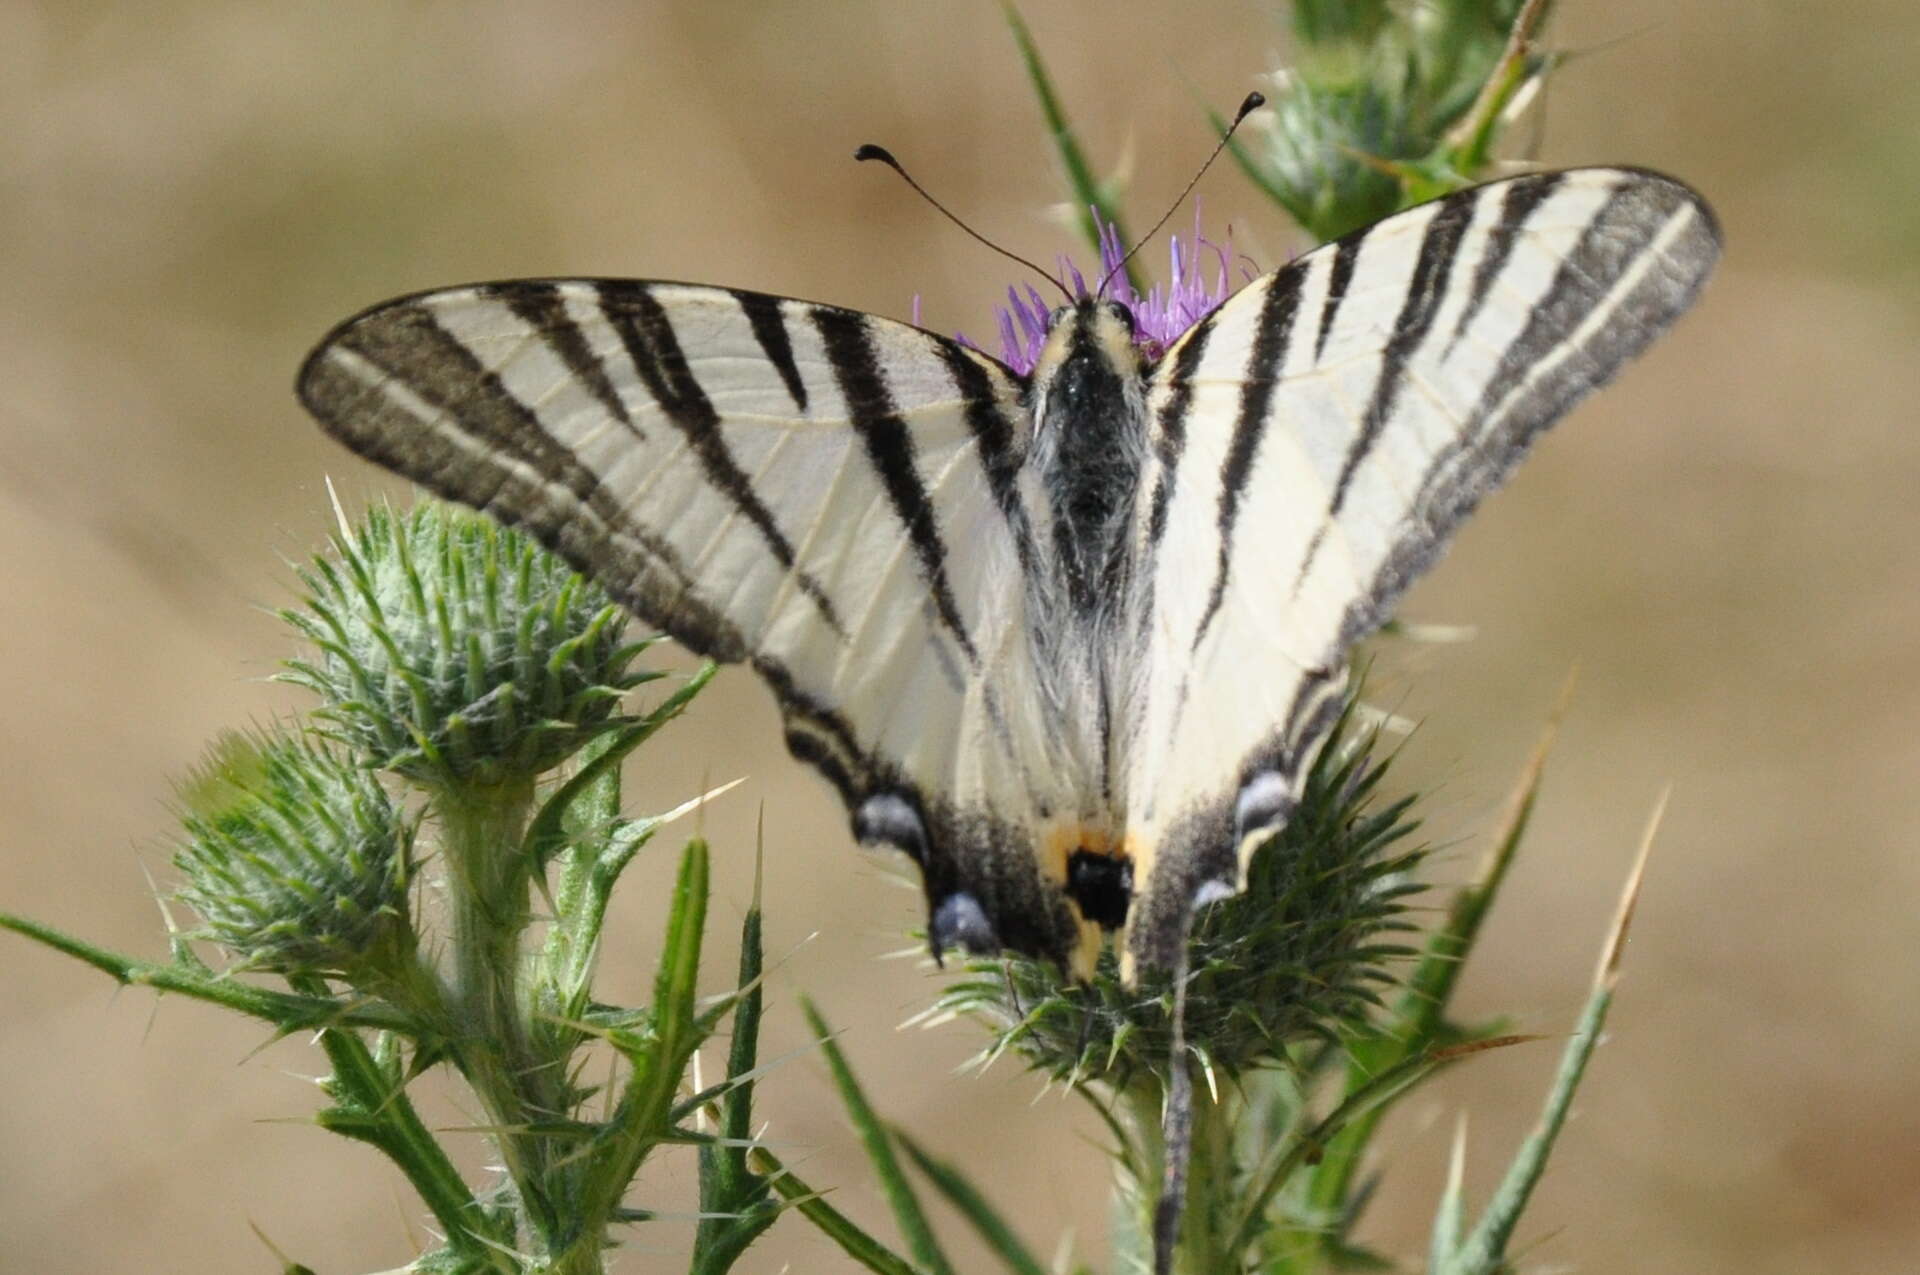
pixel 488 882
pixel 1205 1226
pixel 487 893
pixel 1210 1187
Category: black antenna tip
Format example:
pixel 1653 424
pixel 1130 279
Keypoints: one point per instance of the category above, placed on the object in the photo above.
pixel 1252 103
pixel 885 156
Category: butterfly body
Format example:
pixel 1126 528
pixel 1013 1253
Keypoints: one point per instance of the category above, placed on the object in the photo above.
pixel 1069 639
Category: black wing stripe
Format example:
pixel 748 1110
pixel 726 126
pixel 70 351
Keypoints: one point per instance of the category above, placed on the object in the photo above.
pixel 1301 729
pixel 800 706
pixel 889 446
pixel 543 307
pixel 1616 233
pixel 770 330
pixel 1262 373
pixel 1345 253
pixel 997 445
pixel 1510 416
pixel 646 331
pixel 409 345
pixel 1518 200
pixel 507 466
pixel 1426 291
pixel 1620 231
pixel 1170 434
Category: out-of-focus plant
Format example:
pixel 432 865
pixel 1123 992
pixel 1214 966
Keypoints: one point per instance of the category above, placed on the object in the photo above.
pixel 1387 105
pixel 1384 104
pixel 1312 1004
pixel 418 870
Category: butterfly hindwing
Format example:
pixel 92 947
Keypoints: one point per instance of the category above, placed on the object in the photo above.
pixel 1314 443
pixel 827 496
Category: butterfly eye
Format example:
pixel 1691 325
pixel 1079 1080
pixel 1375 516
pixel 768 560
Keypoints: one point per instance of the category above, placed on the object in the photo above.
pixel 1123 314
pixel 1059 312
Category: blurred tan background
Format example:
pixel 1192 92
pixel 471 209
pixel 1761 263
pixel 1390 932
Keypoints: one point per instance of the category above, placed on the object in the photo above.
pixel 190 194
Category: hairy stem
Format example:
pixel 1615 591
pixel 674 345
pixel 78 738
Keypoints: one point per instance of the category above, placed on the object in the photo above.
pixel 488 882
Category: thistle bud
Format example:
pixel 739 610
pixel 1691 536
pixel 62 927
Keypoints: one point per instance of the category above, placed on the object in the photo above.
pixel 1385 106
pixel 295 860
pixel 450 649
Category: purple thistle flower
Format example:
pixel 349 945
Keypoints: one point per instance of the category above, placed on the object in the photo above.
pixel 1159 318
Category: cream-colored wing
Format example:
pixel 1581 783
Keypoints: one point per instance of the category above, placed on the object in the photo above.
pixel 1316 441
pixel 824 495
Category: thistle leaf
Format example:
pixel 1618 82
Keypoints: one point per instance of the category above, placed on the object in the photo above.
pixel 907 1213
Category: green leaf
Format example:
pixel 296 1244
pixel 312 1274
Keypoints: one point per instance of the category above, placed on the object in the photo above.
pixel 658 1056
pixel 1484 1251
pixel 893 1181
pixel 1418 1021
pixel 734 1201
pixel 743 1054
pixel 973 1206
pixel 370 1105
pixel 675 984
pixel 1449 1219
pixel 1469 147
pixel 1286 1156
pixel 288 1013
pixel 834 1224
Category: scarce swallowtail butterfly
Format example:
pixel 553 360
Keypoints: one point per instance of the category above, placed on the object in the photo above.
pixel 1068 639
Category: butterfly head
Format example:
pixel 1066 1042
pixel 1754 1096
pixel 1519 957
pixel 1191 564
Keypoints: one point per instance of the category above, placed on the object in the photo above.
pixel 1084 308
pixel 1090 368
pixel 1103 322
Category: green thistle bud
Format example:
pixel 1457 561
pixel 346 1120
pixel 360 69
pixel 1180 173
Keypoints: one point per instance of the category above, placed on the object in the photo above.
pixel 1320 137
pixel 451 649
pixel 295 860
pixel 1297 954
pixel 1364 123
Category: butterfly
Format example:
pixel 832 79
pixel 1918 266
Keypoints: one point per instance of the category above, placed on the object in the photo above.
pixel 1069 639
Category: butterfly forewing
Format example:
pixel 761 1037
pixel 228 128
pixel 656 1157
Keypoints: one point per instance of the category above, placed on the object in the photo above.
pixel 1315 442
pixel 823 494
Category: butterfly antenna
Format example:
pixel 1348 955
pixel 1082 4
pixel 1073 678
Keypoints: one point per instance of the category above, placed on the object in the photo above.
pixel 1253 103
pixel 885 156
